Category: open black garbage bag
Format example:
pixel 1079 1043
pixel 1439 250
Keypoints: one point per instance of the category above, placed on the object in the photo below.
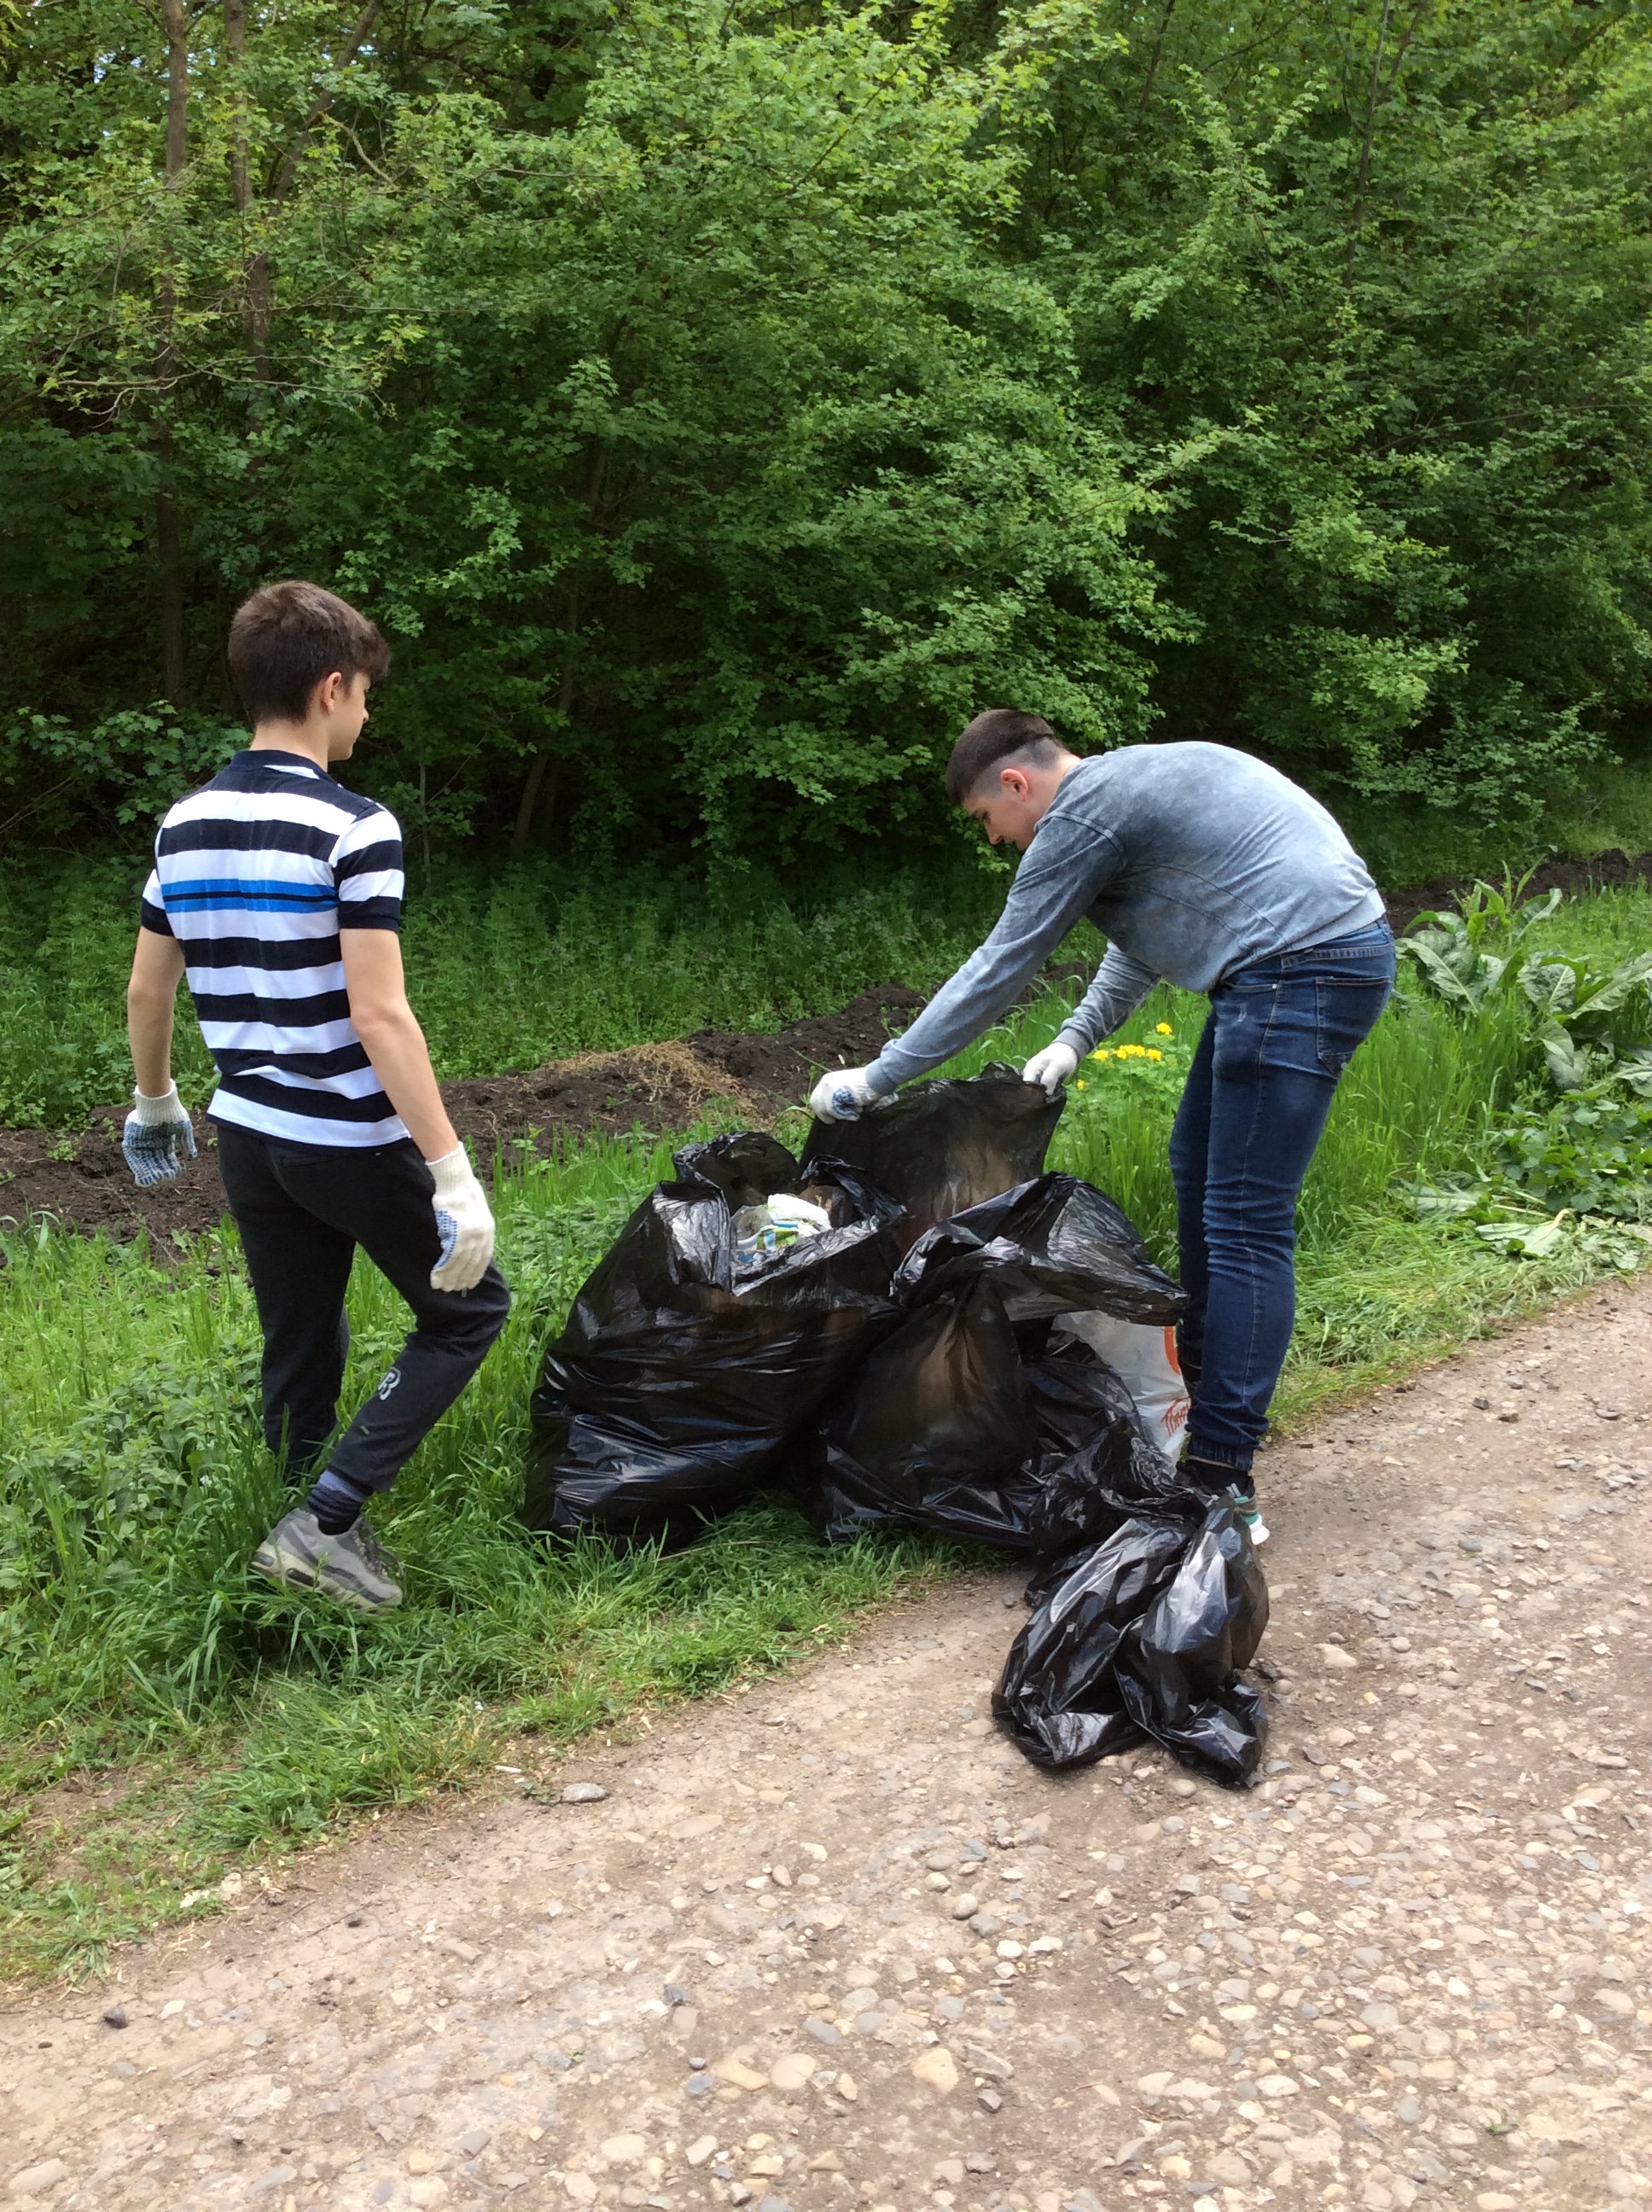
pixel 939 1147
pixel 1141 1635
pixel 677 1381
pixel 963 1418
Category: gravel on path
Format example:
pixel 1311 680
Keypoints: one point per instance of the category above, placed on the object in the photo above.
pixel 833 1943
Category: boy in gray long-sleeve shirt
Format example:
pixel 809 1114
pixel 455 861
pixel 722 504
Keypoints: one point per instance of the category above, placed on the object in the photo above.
pixel 1209 870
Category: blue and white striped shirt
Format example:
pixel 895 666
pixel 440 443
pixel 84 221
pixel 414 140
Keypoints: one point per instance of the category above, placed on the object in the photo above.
pixel 255 876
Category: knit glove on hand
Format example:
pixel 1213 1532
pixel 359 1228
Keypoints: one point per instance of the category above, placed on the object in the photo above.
pixel 465 1222
pixel 843 1094
pixel 157 1139
pixel 1051 1067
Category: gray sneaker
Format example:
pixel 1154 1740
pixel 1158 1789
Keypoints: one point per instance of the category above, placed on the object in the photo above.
pixel 354 1568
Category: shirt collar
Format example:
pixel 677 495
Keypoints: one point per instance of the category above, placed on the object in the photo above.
pixel 268 756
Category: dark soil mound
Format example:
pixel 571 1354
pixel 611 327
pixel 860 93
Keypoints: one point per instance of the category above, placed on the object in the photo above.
pixel 81 1179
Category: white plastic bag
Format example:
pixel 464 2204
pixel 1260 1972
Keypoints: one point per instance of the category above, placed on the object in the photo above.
pixel 775 1226
pixel 1145 1361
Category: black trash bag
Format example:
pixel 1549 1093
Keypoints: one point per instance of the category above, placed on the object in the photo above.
pixel 936 1429
pixel 676 1383
pixel 1143 1636
pixel 1052 1246
pixel 940 1147
pixel 1110 1470
pixel 962 1420
pixel 949 1426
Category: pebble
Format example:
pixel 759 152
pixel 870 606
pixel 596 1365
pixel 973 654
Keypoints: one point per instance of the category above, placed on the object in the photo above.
pixel 584 1793
pixel 475 2142
pixel 115 2016
pixel 936 2070
pixel 35 2179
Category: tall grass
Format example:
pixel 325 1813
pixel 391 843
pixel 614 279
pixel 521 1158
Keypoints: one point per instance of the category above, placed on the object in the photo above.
pixel 509 965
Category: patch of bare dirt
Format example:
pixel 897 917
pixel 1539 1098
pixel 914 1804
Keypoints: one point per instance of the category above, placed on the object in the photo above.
pixel 80 1178
pixel 832 1944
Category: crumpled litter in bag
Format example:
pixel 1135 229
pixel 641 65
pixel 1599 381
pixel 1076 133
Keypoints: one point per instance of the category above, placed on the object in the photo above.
pixel 1050 1245
pixel 679 1375
pixel 939 1147
pixel 1142 1636
pixel 961 1420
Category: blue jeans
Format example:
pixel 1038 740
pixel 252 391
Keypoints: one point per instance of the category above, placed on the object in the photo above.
pixel 1278 1039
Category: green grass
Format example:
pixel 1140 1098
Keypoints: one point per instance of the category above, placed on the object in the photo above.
pixel 508 964
pixel 163 1714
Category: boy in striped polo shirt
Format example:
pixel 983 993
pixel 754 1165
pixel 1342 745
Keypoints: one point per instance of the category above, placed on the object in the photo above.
pixel 278 893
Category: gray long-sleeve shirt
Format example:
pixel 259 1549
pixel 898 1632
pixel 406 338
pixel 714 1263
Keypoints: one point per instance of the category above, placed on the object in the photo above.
pixel 1194 861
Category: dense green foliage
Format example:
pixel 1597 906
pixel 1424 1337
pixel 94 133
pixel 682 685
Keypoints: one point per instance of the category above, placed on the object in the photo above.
pixel 715 403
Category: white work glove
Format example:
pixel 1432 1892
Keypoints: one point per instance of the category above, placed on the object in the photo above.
pixel 842 1094
pixel 157 1138
pixel 1051 1067
pixel 465 1222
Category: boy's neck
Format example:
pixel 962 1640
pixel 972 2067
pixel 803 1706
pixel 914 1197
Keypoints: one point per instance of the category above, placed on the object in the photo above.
pixel 308 739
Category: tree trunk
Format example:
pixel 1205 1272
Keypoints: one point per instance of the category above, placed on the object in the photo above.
pixel 1373 100
pixel 596 471
pixel 255 305
pixel 174 16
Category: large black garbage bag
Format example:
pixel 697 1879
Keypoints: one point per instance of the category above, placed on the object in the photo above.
pixel 936 1429
pixel 964 1418
pixel 1110 1469
pixel 1053 1245
pixel 937 1147
pixel 677 1380
pixel 1142 1636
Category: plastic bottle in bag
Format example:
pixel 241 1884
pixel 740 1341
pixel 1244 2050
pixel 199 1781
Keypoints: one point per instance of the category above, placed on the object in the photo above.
pixel 781 1221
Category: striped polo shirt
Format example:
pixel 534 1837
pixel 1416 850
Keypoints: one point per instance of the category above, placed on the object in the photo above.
pixel 255 876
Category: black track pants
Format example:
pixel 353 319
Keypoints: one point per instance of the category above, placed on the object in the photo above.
pixel 302 1211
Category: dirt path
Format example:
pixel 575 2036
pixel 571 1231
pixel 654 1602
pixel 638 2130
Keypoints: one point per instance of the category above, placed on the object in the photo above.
pixel 1408 1969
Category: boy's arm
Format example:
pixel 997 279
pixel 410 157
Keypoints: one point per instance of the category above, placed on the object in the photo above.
pixel 391 1037
pixel 151 996
pixel 1067 863
pixel 394 1043
pixel 157 1138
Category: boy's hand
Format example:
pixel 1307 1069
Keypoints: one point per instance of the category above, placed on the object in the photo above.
pixel 157 1139
pixel 1051 1067
pixel 464 1222
pixel 842 1094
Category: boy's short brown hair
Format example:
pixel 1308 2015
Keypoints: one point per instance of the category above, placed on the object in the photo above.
pixel 288 637
pixel 995 736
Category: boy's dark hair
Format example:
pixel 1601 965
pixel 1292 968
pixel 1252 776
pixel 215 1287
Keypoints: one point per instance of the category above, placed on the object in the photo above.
pixel 285 638
pixel 993 737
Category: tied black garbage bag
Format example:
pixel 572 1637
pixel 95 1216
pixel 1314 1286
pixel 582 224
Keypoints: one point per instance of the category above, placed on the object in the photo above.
pixel 1142 1636
pixel 936 1148
pixel 971 1413
pixel 677 1381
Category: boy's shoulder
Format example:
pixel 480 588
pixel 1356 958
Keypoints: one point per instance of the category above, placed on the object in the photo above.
pixel 293 788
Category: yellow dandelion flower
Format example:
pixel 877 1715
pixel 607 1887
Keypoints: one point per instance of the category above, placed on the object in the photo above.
pixel 1080 1084
pixel 1099 1055
pixel 1153 1055
pixel 1164 1029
